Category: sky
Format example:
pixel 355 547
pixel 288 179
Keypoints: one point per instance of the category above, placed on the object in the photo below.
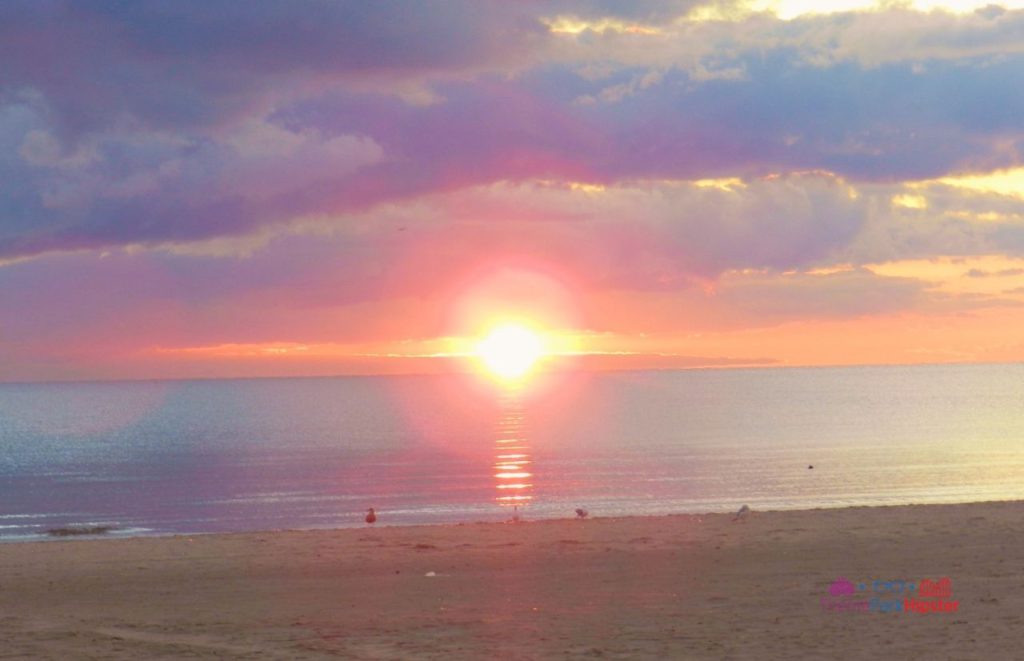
pixel 220 189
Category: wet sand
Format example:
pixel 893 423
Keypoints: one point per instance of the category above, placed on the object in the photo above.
pixel 688 587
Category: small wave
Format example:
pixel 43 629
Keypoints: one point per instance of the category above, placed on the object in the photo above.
pixel 20 525
pixel 44 515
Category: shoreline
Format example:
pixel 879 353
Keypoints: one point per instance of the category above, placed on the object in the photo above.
pixel 116 534
pixel 672 586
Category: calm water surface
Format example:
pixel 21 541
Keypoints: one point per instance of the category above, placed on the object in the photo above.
pixel 207 456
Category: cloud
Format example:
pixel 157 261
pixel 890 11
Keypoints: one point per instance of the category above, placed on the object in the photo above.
pixel 654 235
pixel 171 171
pixel 644 236
pixel 155 122
pixel 844 294
pixel 1001 273
pixel 183 64
pixel 870 36
pixel 124 188
pixel 933 219
pixel 331 282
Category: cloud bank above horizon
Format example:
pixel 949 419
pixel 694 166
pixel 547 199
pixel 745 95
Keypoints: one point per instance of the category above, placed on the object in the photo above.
pixel 748 182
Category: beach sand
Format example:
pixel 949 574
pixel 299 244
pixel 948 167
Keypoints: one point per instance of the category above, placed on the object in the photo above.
pixel 686 587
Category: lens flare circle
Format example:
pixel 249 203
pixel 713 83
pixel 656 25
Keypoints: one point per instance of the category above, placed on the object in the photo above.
pixel 510 351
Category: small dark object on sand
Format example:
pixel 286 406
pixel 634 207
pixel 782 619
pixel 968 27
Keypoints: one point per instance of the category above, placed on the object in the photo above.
pixel 811 467
pixel 581 513
pixel 742 514
pixel 371 516
pixel 79 530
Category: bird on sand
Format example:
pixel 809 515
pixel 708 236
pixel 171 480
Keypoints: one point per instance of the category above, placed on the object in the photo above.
pixel 581 513
pixel 742 514
pixel 371 516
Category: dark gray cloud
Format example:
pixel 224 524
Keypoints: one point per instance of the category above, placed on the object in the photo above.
pixel 187 64
pixel 1001 273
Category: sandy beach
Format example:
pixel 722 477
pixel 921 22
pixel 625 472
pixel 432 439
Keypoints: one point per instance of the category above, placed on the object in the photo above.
pixel 688 587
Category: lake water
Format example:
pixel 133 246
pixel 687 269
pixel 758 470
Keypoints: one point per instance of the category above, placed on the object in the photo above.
pixel 231 455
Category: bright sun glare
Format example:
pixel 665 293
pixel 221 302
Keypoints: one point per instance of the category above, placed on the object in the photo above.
pixel 509 351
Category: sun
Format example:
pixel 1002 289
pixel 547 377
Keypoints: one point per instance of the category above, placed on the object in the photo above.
pixel 509 351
